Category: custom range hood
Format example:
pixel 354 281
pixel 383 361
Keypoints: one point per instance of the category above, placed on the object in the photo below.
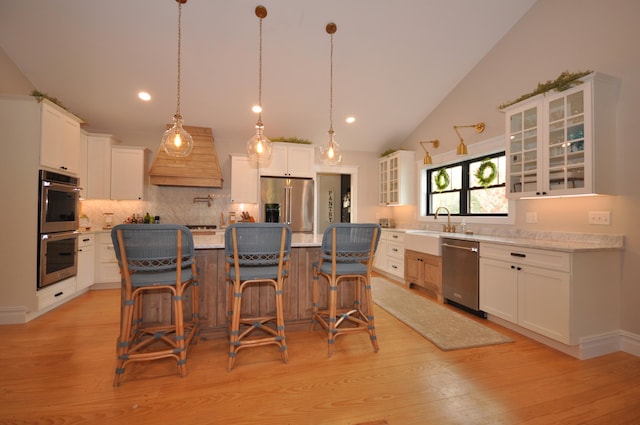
pixel 200 169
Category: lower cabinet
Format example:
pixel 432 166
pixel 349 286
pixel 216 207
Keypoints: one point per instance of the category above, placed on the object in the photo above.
pixel 57 292
pixel 106 264
pixel 389 256
pixel 86 258
pixel 565 296
pixel 425 271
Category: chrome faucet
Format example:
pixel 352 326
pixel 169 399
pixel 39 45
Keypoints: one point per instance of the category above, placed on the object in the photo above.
pixel 449 228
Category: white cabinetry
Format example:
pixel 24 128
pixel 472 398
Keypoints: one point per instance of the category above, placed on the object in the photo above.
pixel 98 184
pixel 128 172
pixel 290 160
pixel 106 264
pixel 244 180
pixel 84 277
pixel 54 294
pixel 396 175
pixel 565 296
pixel 60 139
pixel 561 143
pixel 390 253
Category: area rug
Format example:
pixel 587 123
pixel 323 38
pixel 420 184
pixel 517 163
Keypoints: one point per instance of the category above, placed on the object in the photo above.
pixel 445 328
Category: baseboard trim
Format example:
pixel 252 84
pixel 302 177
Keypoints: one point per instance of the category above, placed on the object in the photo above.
pixel 13 315
pixel 589 347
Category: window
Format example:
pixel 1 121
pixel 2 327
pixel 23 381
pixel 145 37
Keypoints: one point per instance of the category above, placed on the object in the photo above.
pixel 457 187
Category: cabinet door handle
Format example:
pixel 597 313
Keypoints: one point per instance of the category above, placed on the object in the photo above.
pixel 517 254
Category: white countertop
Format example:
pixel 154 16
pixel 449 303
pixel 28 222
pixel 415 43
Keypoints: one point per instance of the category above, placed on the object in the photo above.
pixel 556 241
pixel 298 240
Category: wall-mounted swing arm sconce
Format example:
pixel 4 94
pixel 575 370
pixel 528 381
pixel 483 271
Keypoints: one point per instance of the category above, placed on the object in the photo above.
pixel 427 157
pixel 462 148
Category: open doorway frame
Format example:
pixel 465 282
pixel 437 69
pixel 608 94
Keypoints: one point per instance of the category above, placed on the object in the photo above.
pixel 336 170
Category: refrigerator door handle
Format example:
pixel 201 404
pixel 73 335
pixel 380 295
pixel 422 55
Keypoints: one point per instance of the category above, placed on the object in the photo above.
pixel 287 204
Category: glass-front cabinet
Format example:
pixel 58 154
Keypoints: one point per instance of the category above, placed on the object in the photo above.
pixel 395 181
pixel 563 143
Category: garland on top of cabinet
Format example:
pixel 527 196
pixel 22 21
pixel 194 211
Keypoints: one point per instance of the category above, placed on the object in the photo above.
pixel 486 180
pixel 387 152
pixel 39 95
pixel 565 81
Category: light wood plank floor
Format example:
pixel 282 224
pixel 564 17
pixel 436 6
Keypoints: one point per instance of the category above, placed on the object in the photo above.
pixel 58 369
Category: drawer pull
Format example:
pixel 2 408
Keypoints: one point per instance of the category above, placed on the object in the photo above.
pixel 517 254
pixel 58 294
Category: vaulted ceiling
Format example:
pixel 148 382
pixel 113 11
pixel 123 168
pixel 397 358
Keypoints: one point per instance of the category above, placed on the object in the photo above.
pixel 394 61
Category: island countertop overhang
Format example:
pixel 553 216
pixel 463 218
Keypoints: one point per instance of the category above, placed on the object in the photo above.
pixel 298 240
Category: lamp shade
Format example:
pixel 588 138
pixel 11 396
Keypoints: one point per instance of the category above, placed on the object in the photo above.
pixel 259 146
pixel 176 141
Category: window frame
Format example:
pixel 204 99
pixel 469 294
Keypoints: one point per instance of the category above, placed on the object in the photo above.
pixel 477 151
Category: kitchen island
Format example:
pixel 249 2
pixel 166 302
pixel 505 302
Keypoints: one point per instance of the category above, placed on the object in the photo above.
pixel 258 300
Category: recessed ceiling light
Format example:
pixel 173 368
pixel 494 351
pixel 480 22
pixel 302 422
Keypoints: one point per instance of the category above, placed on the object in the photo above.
pixel 143 95
pixel 351 120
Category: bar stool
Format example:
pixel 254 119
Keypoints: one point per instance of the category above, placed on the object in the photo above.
pixel 155 258
pixel 256 254
pixel 346 255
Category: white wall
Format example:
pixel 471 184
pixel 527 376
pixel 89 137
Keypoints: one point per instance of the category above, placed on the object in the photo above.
pixel 555 36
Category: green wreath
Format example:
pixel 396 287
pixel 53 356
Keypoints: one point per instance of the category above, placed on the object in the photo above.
pixel 441 179
pixel 483 179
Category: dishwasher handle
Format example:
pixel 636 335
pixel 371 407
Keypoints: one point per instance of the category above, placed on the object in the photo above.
pixel 464 248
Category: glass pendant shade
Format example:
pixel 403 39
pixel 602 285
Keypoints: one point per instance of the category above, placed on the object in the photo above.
pixel 259 146
pixel 331 153
pixel 176 141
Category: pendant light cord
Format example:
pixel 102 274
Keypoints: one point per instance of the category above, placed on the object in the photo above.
pixel 179 54
pixel 331 88
pixel 260 76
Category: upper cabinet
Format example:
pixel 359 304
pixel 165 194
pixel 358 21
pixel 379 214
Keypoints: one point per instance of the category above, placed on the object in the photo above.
pixel 98 182
pixel 60 139
pixel 128 172
pixel 290 160
pixel 563 143
pixel 244 180
pixel 396 175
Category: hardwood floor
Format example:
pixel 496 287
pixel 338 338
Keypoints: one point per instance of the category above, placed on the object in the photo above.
pixel 58 369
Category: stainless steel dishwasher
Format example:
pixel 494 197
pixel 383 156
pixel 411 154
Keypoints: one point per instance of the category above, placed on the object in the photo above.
pixel 460 273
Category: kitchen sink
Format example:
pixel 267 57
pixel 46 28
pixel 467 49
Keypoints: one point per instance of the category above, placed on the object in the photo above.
pixel 423 241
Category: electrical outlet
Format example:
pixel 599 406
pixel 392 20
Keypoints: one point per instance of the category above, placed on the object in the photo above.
pixel 600 217
pixel 532 217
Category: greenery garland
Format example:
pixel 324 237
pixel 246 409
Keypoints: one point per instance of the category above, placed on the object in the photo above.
pixel 441 179
pixel 291 140
pixel 480 174
pixel 564 81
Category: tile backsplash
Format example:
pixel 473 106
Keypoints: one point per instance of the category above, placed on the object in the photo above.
pixel 172 204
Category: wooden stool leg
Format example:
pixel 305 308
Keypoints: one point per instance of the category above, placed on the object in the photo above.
pixel 124 340
pixel 179 333
pixel 370 316
pixel 333 306
pixel 234 328
pixel 282 341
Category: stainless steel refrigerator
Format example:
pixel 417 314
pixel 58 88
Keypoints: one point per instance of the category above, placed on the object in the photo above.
pixel 287 200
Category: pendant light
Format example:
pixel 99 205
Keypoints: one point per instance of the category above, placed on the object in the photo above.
pixel 259 146
pixel 331 153
pixel 176 141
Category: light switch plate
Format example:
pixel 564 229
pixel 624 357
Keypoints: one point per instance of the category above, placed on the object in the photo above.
pixel 602 218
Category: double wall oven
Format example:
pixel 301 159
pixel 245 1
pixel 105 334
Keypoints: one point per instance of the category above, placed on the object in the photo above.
pixel 58 223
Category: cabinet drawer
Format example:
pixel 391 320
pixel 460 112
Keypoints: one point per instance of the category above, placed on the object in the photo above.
pixel 395 250
pixel 85 240
pixel 393 236
pixel 552 260
pixel 395 267
pixel 56 293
